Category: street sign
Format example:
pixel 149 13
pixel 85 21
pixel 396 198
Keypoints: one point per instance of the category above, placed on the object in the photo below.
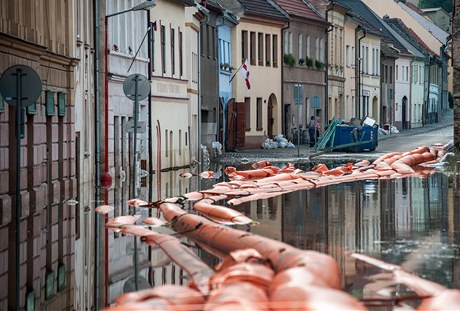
pixel 20 85
pixel 142 89
pixel 316 102
pixel 141 126
pixel 298 94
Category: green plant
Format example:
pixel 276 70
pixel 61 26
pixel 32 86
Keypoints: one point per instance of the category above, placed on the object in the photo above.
pixel 267 63
pixel 301 61
pixel 319 64
pixel 309 62
pixel 289 60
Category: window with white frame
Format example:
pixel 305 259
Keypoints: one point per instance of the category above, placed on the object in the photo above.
pixel 347 52
pixel 307 47
pixel 317 49
pixel 299 45
pixel 321 50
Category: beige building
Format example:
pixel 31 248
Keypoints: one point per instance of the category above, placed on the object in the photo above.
pixel 336 64
pixel 257 38
pixel 175 84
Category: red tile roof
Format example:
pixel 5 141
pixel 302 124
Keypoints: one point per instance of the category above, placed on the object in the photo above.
pixel 299 8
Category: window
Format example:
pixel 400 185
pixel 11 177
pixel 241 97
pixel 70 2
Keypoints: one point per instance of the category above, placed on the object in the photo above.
pixel 391 74
pixel 260 51
pixel 299 46
pixel 321 50
pixel 275 51
pixel 353 56
pixel 397 72
pixel 291 43
pixel 244 44
pixel 317 49
pixel 367 59
pixel 259 114
pixel 286 42
pixel 252 48
pixel 307 47
pixel 173 52
pixel 163 48
pixel 407 73
pixel 267 50
pixel 347 51
pixel 213 48
pixel 247 105
pixel 181 54
pixel 152 57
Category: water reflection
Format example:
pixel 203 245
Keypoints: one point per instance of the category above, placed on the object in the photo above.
pixel 414 222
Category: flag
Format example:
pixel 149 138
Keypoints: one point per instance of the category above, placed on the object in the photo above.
pixel 154 25
pixel 244 71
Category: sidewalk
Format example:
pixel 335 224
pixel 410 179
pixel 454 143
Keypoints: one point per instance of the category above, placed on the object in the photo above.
pixel 302 154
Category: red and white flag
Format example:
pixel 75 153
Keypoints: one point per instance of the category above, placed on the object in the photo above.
pixel 244 71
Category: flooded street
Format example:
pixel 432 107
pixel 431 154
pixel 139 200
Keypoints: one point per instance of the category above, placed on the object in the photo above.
pixel 411 222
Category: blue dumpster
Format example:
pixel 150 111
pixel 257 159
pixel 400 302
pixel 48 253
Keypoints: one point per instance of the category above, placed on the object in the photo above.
pixel 365 137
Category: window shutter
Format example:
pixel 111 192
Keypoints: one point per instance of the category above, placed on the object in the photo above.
pixel 50 103
pixel 61 104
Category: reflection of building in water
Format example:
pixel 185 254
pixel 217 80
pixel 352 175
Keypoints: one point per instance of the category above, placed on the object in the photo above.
pixel 269 214
pixel 304 219
pixel 153 265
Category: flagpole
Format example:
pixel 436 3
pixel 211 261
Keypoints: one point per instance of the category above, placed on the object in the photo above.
pixel 139 48
pixel 231 79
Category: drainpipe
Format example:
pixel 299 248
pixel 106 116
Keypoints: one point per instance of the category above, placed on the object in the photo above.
pixel 98 149
pixel 358 70
pixel 205 12
pixel 282 79
pixel 326 73
pixel 428 91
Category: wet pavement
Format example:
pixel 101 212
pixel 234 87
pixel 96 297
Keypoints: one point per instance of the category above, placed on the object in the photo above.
pixel 405 140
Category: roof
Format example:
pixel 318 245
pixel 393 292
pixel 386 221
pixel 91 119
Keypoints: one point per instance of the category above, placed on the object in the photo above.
pixel 299 8
pixel 414 8
pixel 408 45
pixel 186 2
pixel 264 8
pixel 435 31
pixel 410 35
pixel 434 10
pixel 365 13
pixel 387 51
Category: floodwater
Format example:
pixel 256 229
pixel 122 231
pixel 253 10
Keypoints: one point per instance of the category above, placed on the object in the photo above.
pixel 411 222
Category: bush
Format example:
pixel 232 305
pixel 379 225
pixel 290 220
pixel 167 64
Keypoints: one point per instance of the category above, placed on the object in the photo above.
pixel 309 62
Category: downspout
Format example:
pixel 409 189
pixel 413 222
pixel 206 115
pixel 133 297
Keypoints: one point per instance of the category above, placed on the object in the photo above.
pixel 149 68
pixel 428 91
pixel 205 12
pixel 282 78
pixel 358 70
pixel 326 73
pixel 98 149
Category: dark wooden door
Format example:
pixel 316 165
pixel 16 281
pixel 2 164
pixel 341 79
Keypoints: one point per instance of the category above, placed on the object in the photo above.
pixel 270 120
pixel 241 124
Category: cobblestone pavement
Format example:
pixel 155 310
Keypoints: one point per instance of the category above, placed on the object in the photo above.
pixel 405 140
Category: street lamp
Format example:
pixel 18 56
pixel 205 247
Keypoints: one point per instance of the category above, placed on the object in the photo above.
pixel 106 179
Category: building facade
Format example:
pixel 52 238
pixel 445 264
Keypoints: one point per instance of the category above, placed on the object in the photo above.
pixel 303 69
pixel 257 38
pixel 37 224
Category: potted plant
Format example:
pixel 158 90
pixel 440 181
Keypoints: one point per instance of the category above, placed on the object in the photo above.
pixel 289 60
pixel 267 63
pixel 309 62
pixel 319 64
pixel 301 61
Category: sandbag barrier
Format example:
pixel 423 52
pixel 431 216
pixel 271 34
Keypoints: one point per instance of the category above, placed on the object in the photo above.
pixel 258 273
